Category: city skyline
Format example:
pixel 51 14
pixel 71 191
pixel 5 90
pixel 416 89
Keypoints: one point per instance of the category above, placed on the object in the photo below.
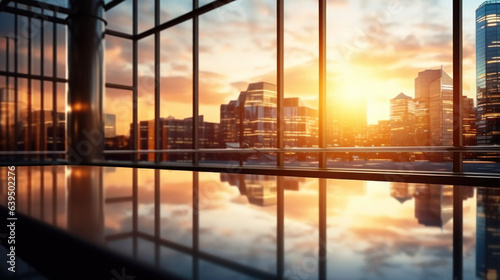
pixel 431 36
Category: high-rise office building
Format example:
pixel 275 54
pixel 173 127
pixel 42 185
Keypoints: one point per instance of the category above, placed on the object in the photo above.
pixel 469 121
pixel 402 120
pixel 176 134
pixel 488 73
pixel 253 116
pixel 379 134
pixel 301 124
pixel 251 120
pixel 434 108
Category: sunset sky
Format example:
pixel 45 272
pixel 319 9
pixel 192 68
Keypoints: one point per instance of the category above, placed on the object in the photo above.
pixel 375 51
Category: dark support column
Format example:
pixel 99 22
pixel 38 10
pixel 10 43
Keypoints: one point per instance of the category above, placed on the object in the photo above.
pixel 457 84
pixel 85 81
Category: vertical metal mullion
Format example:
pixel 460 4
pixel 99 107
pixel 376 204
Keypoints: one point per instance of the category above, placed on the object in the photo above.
pixel 280 226
pixel 7 99
pixel 42 86
pixel 322 254
pixel 55 125
pixel 157 82
pixel 196 97
pixel 28 130
pixel 457 139
pixel 16 109
pixel 280 79
pixel 135 135
pixel 457 84
pixel 322 82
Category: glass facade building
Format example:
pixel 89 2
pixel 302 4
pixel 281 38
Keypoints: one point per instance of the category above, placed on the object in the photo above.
pixel 488 73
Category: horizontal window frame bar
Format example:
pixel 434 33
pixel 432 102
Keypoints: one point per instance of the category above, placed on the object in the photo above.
pixel 118 34
pixel 33 77
pixel 117 86
pixel 42 5
pixel 34 15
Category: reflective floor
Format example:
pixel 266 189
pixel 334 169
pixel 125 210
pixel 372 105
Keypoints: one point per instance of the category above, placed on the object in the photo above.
pixel 232 226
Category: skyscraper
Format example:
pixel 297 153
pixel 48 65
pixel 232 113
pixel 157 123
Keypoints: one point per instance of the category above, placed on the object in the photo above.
pixel 434 108
pixel 488 73
pixel 469 121
pixel 402 120
pixel 251 120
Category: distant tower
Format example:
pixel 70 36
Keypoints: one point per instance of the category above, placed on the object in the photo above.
pixel 487 73
pixel 402 121
pixel 434 108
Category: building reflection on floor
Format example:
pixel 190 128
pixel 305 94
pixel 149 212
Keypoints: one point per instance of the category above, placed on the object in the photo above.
pixel 194 224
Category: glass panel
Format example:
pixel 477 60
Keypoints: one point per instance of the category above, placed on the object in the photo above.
pixel 48 49
pixel 120 17
pixel 301 114
pixel 171 9
pixel 118 61
pixel 390 63
pixel 117 182
pixel 301 228
pixel 481 235
pixel 177 263
pixel 176 209
pixel 146 15
pixel 117 121
pixel 176 88
pixel 146 88
pixel 417 219
pixel 36 34
pixel 117 219
pixel 61 51
pixel 146 192
pixel 7 29
pixel 225 200
pixel 61 117
pixel 238 77
pixel 22 44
